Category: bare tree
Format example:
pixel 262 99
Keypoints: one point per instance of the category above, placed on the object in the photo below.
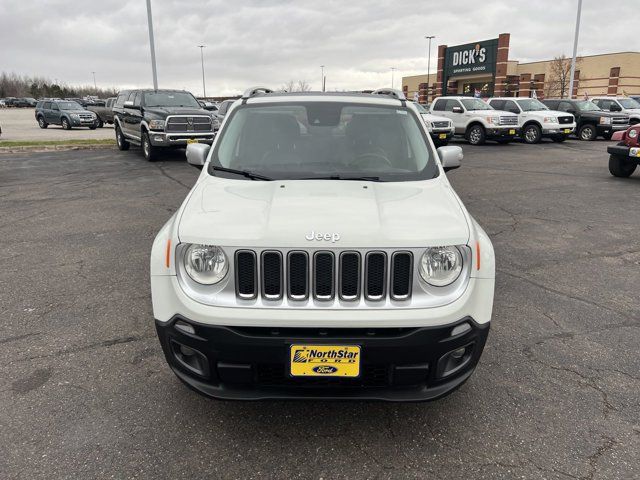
pixel 13 85
pixel 293 86
pixel 557 83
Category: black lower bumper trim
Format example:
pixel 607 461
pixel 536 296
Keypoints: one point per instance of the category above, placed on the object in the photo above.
pixel 397 364
pixel 620 150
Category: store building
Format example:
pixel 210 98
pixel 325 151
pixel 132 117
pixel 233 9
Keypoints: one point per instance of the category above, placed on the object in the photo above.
pixel 483 69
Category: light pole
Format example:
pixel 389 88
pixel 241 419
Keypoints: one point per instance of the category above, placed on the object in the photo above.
pixel 575 50
pixel 322 77
pixel 429 64
pixel 393 69
pixel 94 82
pixel 152 45
pixel 204 90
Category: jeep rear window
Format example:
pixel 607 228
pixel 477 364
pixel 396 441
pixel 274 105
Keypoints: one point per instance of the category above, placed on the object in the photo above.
pixel 170 99
pixel 325 140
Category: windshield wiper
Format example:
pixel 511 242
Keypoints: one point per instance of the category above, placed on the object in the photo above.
pixel 244 173
pixel 338 177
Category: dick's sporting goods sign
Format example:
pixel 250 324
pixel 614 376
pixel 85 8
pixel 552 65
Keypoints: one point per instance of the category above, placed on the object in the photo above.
pixel 477 57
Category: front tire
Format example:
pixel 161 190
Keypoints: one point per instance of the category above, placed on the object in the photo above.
pixel 620 166
pixel 66 124
pixel 532 134
pixel 587 133
pixel 476 135
pixel 120 140
pixel 150 152
pixel 42 123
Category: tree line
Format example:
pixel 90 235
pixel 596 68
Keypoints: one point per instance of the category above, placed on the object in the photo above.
pixel 13 85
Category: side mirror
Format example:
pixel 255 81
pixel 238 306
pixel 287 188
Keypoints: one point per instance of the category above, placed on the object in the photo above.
pixel 450 157
pixel 197 154
pixel 457 110
pixel 615 108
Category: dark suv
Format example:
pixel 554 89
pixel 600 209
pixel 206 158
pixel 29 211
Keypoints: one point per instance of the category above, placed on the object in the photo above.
pixel 157 119
pixel 591 121
pixel 64 112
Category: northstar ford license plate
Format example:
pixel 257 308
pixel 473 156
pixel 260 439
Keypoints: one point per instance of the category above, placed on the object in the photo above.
pixel 325 360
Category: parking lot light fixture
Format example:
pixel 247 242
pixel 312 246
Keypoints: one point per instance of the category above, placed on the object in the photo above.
pixel 429 38
pixel 393 69
pixel 152 46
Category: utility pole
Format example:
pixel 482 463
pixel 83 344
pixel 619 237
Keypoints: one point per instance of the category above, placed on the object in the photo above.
pixel 575 50
pixel 393 69
pixel 322 77
pixel 429 65
pixel 152 45
pixel 204 90
pixel 95 86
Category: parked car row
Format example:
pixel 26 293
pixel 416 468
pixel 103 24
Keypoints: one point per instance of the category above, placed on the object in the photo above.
pixel 505 118
pixel 17 102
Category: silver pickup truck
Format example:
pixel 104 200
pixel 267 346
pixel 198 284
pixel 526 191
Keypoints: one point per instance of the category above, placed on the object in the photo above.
pixel 104 113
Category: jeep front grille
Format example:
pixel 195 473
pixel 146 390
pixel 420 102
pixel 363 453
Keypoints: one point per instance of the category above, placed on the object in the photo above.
pixel 323 275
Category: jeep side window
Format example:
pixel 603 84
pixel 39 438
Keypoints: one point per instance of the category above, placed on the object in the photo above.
pixel 452 103
pixel 439 105
pixel 510 106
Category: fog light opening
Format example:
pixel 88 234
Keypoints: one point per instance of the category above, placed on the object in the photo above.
pixel 454 360
pixel 190 359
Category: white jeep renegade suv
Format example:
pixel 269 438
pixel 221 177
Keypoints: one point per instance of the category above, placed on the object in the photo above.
pixel 322 253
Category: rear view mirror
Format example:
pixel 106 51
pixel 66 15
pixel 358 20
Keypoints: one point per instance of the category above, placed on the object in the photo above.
pixel 197 154
pixel 450 157
pixel 457 110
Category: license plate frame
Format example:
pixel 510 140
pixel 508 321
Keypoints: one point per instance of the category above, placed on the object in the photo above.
pixel 309 360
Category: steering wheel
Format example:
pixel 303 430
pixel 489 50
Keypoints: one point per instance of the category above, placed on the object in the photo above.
pixel 371 158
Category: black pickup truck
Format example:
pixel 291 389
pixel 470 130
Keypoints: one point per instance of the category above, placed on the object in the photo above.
pixel 104 112
pixel 156 119
pixel 591 121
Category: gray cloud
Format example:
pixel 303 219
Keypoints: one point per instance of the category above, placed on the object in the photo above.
pixel 270 42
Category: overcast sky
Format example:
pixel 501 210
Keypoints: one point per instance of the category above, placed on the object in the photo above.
pixel 268 42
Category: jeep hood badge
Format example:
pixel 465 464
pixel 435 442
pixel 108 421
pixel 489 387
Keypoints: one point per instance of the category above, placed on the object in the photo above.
pixel 327 237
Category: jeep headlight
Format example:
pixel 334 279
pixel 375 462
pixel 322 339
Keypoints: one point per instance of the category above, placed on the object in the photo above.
pixel 440 266
pixel 156 124
pixel 205 264
pixel 605 120
pixel 632 133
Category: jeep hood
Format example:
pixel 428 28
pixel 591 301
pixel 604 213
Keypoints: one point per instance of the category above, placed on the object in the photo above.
pixel 238 213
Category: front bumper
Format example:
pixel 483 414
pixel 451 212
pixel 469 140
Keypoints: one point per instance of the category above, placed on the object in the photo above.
pixel 624 151
pixel 559 129
pixel 502 133
pixel 162 139
pixel 603 129
pixel 76 122
pixel 441 135
pixel 252 363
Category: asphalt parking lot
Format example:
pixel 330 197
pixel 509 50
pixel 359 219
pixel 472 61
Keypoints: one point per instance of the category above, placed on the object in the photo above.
pixel 85 392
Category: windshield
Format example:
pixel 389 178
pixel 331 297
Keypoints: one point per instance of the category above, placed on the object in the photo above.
pixel 69 106
pixel 628 103
pixel 531 105
pixel 587 106
pixel 420 108
pixel 170 99
pixel 476 104
pixel 328 140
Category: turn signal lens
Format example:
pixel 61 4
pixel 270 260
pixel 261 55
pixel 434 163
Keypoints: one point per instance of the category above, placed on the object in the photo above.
pixel 440 266
pixel 206 264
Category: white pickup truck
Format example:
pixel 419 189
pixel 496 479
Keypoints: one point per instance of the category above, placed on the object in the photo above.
pixel 620 104
pixel 440 128
pixel 535 120
pixel 322 254
pixel 477 120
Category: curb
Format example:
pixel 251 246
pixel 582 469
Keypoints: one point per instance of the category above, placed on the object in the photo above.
pixel 53 148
